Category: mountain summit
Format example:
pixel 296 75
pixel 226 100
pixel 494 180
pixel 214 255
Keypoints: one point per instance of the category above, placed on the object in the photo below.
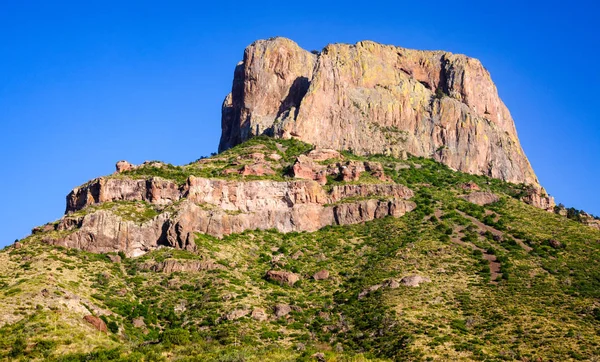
pixel 372 98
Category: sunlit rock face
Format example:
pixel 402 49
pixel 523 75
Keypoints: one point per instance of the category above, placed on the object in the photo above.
pixel 373 98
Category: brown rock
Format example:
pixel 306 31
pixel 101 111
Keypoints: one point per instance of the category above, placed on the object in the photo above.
pixel 123 166
pixel 536 196
pixel 283 277
pixel 17 245
pixel 370 289
pixel 96 322
pixel 154 190
pixel 186 266
pixel 321 275
pixel 589 220
pixel 114 258
pixel 139 322
pixel 43 229
pixel 305 168
pixel 257 169
pixel 275 156
pixel 387 99
pixel 319 357
pixel 470 186
pixel 555 243
pixel 324 315
pixel 281 310
pixel 414 280
pixel 236 314
pixel 217 207
pixel 391 283
pixel 351 171
pixel 259 314
pixel 481 198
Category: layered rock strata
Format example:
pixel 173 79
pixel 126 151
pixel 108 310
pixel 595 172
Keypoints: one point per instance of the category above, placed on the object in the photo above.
pixel 373 98
pixel 215 207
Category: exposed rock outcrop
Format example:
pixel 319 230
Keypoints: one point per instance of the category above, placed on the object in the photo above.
pixel 589 220
pixel 414 280
pixel 537 196
pixel 216 207
pixel 96 322
pixel 187 266
pixel 283 277
pixel 154 190
pixel 321 275
pixel 481 198
pixel 306 168
pixel 374 98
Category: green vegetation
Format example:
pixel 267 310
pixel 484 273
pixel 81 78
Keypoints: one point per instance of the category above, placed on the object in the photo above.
pixel 542 303
pixel 137 211
pixel 227 164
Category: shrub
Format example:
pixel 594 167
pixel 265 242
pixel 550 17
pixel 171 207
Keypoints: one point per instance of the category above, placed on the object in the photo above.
pixel 177 336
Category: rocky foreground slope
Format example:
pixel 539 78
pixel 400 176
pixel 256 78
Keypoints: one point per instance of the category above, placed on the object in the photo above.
pixel 411 261
pixel 373 98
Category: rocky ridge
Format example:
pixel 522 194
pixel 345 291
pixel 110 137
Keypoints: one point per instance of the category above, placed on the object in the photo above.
pixel 99 214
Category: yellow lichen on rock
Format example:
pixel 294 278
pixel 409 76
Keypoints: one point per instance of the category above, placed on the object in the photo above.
pixel 334 94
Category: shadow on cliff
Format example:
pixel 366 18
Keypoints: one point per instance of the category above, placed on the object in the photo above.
pixel 297 91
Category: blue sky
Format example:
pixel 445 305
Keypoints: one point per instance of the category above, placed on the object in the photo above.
pixel 85 84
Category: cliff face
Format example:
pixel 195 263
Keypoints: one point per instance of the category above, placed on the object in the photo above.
pixel 373 98
pixel 217 208
pixel 121 213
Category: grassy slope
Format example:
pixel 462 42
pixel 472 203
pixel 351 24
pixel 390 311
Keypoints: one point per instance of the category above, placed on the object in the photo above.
pixel 544 305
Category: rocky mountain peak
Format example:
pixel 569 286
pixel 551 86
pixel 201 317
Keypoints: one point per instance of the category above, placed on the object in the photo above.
pixel 373 98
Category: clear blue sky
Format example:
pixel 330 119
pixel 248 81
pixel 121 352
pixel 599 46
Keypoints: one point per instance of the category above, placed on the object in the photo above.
pixel 85 84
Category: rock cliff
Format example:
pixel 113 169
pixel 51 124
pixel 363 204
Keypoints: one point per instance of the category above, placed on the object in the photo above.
pixel 121 213
pixel 373 98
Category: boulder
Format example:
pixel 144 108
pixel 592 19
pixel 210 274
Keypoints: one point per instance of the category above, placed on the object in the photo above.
pixel 321 275
pixel 114 258
pixel 96 323
pixel 414 280
pixel 281 310
pixel 236 314
pixel 283 277
pixel 257 169
pixel 259 314
pixel 537 196
pixel 123 166
pixel 370 289
pixel 470 186
pixel 138 322
pixel 391 283
pixel 555 244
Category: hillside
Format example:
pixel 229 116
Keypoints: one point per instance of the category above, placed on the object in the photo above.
pixel 400 259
